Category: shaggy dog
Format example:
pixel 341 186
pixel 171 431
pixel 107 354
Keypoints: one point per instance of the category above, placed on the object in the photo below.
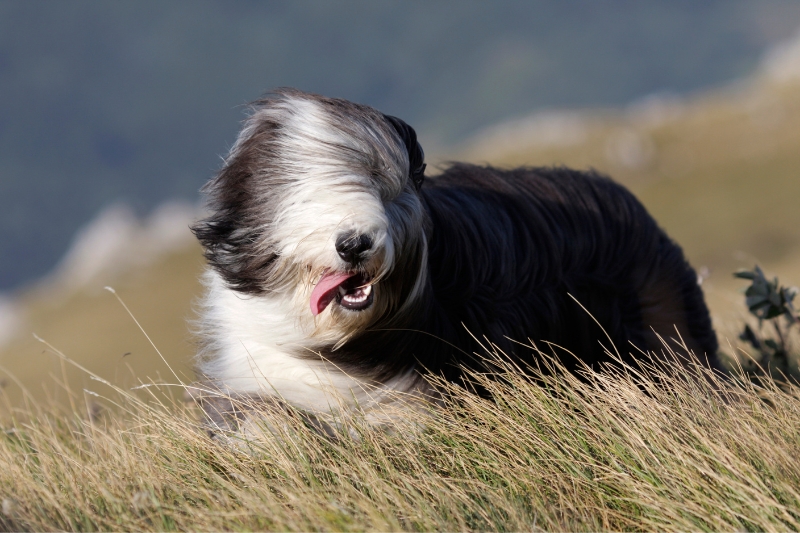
pixel 335 272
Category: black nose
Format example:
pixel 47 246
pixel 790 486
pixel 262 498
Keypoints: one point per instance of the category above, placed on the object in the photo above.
pixel 353 247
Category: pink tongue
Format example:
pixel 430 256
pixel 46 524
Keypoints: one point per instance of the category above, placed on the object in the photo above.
pixel 326 289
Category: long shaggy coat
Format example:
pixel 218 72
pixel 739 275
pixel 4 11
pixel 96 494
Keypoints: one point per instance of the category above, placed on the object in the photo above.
pixel 334 270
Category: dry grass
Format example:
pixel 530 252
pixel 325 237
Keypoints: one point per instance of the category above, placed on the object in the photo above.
pixel 611 451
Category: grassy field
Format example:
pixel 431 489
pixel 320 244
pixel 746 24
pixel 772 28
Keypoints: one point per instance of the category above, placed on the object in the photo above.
pixel 608 452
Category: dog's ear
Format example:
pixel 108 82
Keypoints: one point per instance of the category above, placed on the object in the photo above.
pixel 416 156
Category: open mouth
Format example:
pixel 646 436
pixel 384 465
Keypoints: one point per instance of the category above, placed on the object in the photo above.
pixel 351 290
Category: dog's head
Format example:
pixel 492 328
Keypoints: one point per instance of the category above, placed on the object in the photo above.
pixel 318 204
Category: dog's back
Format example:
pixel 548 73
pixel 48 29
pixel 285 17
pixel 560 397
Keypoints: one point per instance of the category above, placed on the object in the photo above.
pixel 508 247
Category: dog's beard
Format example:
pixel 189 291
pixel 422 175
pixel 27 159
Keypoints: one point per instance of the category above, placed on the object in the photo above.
pixel 386 285
pixel 351 303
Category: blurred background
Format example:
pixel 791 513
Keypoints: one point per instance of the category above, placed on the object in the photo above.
pixel 113 115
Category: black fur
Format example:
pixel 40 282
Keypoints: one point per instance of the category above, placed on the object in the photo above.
pixel 508 247
pixel 416 156
pixel 229 236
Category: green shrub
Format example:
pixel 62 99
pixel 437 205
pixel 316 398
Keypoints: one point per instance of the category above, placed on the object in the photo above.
pixel 773 305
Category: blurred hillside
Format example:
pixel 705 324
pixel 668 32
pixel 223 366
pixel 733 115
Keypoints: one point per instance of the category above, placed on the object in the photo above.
pixel 720 170
pixel 154 265
pixel 134 101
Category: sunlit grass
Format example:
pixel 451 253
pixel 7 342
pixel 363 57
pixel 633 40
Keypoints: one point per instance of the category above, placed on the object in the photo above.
pixel 606 451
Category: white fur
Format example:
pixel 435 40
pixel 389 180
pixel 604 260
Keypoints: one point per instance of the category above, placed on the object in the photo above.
pixel 308 193
pixel 253 343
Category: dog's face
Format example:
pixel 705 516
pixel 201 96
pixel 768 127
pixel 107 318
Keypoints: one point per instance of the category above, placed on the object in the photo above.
pixel 318 206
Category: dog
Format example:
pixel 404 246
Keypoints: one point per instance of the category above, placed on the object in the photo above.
pixel 336 269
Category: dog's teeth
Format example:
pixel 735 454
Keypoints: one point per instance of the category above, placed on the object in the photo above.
pixel 356 298
pixel 359 296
